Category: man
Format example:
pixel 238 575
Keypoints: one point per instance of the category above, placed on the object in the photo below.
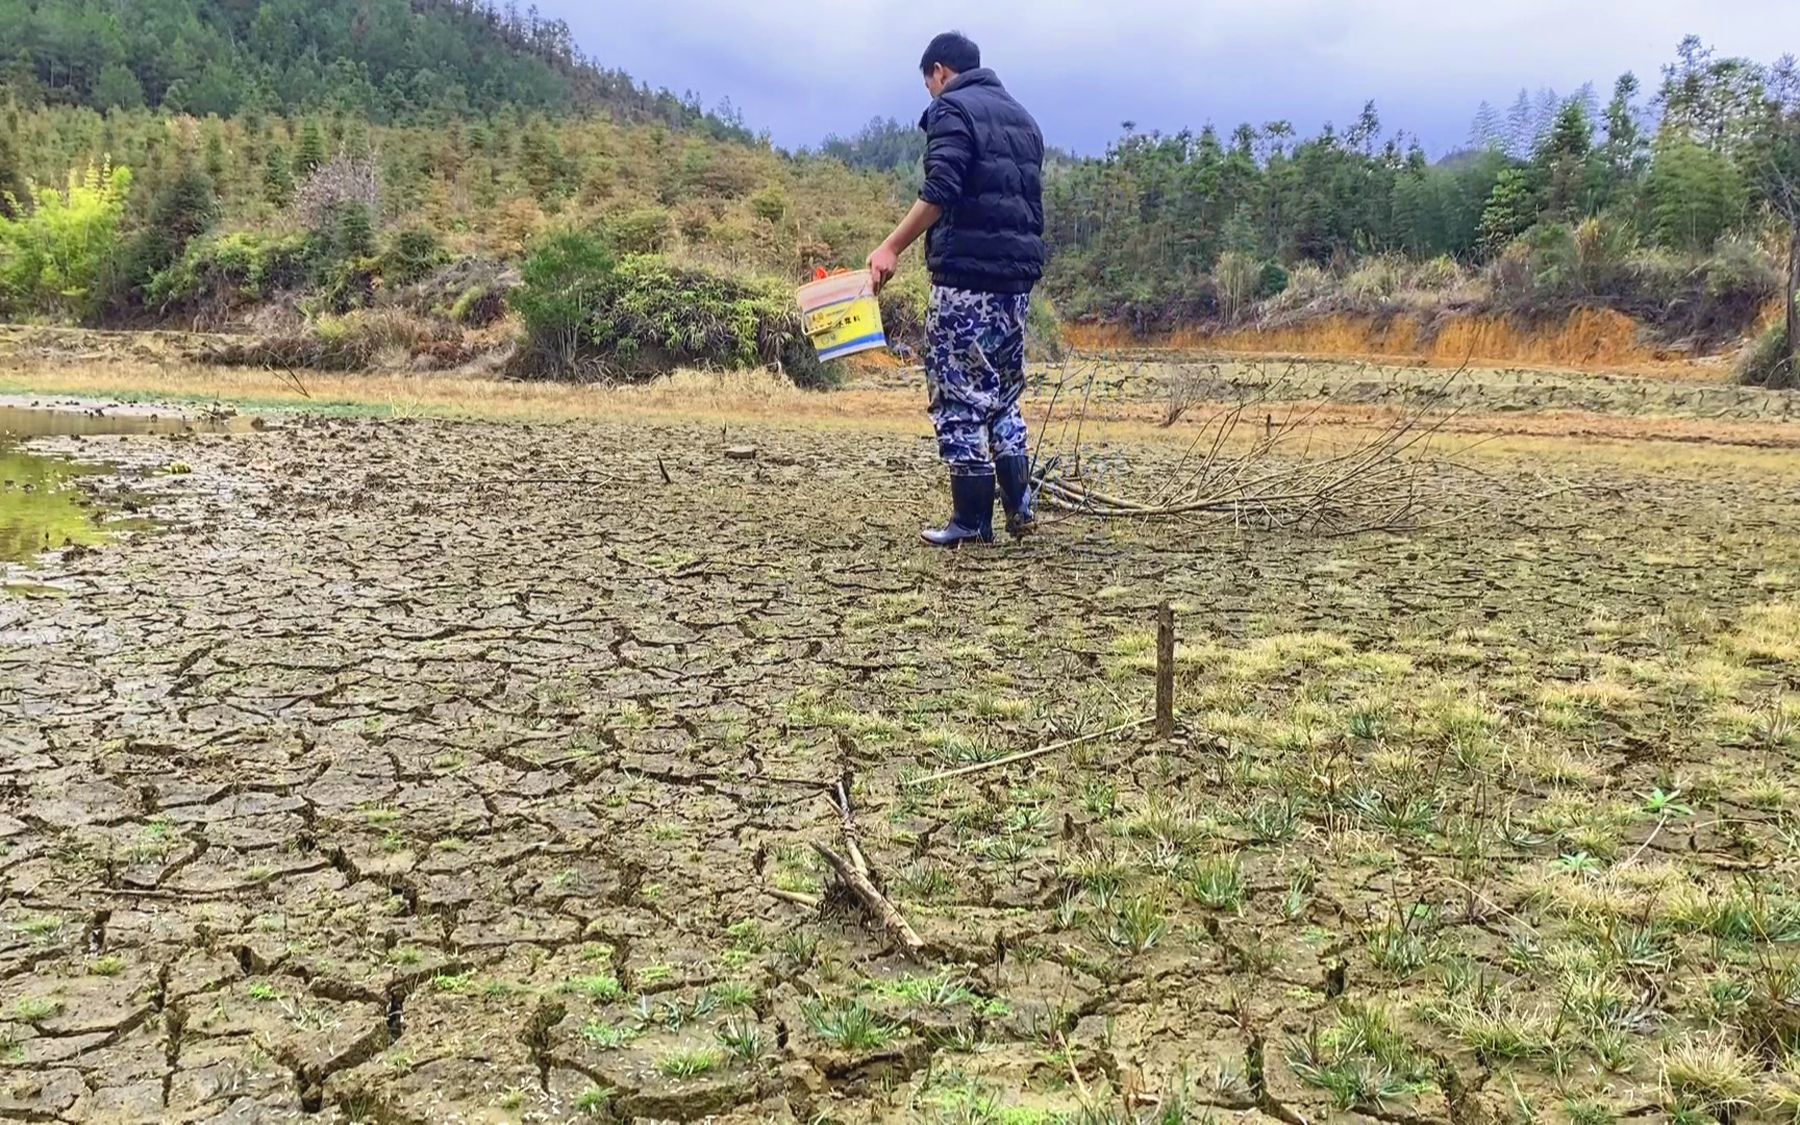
pixel 983 206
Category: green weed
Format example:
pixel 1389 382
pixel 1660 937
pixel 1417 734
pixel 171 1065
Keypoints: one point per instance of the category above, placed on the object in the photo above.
pixel 849 1025
pixel 742 1038
pixel 688 1063
pixel 1217 883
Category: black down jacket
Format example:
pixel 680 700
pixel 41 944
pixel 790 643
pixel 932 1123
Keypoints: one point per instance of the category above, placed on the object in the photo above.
pixel 984 165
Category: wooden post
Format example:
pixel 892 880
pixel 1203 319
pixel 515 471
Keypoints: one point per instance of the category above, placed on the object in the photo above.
pixel 1165 672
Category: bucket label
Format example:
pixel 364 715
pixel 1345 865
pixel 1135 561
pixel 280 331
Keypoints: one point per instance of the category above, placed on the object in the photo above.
pixel 846 326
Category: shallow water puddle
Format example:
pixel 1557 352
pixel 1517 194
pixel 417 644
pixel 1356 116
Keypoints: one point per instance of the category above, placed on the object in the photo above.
pixel 40 507
pixel 86 420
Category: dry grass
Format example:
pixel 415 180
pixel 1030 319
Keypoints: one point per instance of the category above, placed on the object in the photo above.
pixel 1644 444
pixel 1711 1073
pixel 688 395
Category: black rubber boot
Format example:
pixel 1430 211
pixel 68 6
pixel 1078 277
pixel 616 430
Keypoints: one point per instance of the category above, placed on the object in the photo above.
pixel 1013 474
pixel 973 521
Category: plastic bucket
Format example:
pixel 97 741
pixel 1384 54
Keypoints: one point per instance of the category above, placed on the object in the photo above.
pixel 841 316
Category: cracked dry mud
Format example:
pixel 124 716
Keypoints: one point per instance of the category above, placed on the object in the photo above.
pixel 401 779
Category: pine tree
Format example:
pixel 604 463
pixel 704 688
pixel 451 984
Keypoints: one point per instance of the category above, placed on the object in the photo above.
pixel 1519 127
pixel 12 180
pixel 1563 160
pixel 1715 102
pixel 180 212
pixel 1624 137
pixel 117 88
pixel 1511 210
pixel 355 141
pixel 1623 157
pixel 278 177
pixel 215 156
pixel 1487 131
pixel 311 151
pixel 1543 117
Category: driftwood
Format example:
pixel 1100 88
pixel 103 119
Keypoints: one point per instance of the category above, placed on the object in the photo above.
pixel 872 900
pixel 856 875
pixel 852 834
pixel 810 902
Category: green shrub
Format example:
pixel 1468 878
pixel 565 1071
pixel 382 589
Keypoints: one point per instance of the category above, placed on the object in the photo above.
pixel 646 230
pixel 231 269
pixel 410 255
pixel 1554 268
pixel 1769 362
pixel 1376 280
pixel 642 315
pixel 1710 300
pixel 478 306
pixel 770 204
pixel 664 316
pixel 345 265
pixel 1552 260
pixel 345 232
pixel 1305 281
pixel 1437 274
pixel 55 256
pixel 1603 251
pixel 1740 275
pixel 905 301
pixel 1272 282
pixel 1657 276
pixel 850 240
pixel 181 211
pixel 566 279
pixel 1044 338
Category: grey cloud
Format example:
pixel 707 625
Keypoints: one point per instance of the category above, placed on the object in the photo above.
pixel 803 70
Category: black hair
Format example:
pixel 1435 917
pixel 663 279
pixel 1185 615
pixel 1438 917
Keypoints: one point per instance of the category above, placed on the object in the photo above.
pixel 955 50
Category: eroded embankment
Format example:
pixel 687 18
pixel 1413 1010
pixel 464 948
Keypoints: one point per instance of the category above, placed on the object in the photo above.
pixel 1586 340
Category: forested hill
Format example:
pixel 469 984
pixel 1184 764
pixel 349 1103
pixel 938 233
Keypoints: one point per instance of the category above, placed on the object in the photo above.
pixel 384 60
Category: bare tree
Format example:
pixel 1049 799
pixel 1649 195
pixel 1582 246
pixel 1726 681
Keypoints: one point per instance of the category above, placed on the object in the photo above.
pixel 342 179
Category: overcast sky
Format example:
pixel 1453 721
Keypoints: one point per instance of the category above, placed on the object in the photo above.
pixel 805 68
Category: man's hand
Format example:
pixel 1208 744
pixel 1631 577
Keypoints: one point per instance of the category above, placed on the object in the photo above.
pixel 883 264
pixel 886 259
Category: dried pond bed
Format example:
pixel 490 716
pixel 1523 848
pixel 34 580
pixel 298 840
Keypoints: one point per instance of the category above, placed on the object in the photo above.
pixel 439 773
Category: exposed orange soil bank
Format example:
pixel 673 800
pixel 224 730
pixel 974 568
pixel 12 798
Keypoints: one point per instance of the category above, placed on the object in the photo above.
pixel 1589 340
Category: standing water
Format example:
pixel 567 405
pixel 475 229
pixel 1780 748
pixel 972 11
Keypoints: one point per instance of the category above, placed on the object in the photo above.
pixel 40 507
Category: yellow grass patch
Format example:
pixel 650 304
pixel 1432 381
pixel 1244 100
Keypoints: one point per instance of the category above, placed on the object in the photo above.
pixel 1768 633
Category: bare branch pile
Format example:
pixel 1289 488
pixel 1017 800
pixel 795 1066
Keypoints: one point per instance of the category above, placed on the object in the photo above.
pixel 1261 460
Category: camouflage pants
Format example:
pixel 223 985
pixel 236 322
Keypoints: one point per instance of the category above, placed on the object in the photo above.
pixel 975 369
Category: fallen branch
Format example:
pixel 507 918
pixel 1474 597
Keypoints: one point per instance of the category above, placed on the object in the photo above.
pixel 810 902
pixel 294 380
pixel 1254 462
pixel 852 835
pixel 1027 755
pixel 872 899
